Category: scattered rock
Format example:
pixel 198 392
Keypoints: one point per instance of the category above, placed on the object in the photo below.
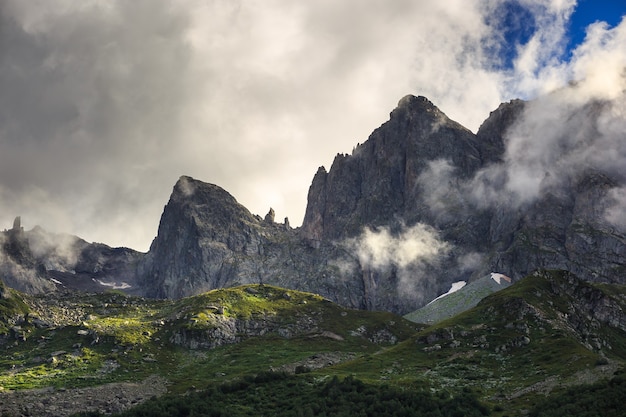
pixel 108 398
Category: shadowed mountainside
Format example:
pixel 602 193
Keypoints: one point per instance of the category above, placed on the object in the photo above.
pixel 392 225
pixel 421 204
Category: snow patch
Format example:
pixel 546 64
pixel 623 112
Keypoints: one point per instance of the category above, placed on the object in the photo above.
pixel 454 288
pixel 114 285
pixel 56 281
pixel 499 277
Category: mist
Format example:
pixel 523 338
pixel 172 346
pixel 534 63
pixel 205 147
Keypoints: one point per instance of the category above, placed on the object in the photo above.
pixel 380 249
pixel 105 104
pixel 564 135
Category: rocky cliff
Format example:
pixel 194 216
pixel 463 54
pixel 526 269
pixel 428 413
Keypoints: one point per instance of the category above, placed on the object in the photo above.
pixel 392 225
pixel 421 168
pixel 380 182
pixel 208 240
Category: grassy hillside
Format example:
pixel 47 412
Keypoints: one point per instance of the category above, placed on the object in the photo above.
pixel 520 344
pixel 69 340
pixel 457 302
pixel 542 336
pixel 13 309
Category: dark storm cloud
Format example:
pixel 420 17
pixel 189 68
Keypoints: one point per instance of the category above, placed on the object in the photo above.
pixel 91 97
pixel 105 104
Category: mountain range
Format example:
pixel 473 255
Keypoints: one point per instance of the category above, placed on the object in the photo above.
pixel 507 263
pixel 388 227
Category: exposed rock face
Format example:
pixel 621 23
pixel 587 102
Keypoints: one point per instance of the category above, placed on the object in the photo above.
pixel 19 268
pixel 201 230
pixel 395 180
pixel 589 308
pixel 389 227
pixel 207 240
pixel 269 217
pixel 379 182
pixel 413 173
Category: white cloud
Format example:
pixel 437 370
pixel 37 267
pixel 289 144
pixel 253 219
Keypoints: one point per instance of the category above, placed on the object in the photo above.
pixel 106 104
pixel 571 131
pixel 409 253
pixel 380 249
pixel 616 211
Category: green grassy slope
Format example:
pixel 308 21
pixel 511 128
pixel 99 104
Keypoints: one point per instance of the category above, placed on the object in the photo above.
pixel 520 344
pixel 457 302
pixel 84 340
pixel 541 336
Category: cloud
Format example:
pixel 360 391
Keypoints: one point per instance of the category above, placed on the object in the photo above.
pixel 441 190
pixel 569 132
pixel 411 255
pixel 92 97
pixel 105 104
pixel 615 213
pixel 470 262
pixel 409 251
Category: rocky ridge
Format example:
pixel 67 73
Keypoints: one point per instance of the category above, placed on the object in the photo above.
pixel 410 182
pixel 388 227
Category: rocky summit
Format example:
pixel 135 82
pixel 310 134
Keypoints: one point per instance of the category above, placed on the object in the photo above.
pixel 421 204
pixel 392 225
pixel 208 240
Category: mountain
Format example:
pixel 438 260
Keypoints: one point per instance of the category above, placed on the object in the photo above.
pixel 392 225
pixel 37 261
pixel 460 298
pixel 380 182
pixel 420 205
pixel 207 240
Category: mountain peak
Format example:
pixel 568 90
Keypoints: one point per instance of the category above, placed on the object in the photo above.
pixel 412 101
pixel 188 187
pixel 411 104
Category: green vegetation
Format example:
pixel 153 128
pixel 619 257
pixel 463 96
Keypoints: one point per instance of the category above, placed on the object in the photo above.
pixel 603 399
pixel 12 307
pixel 274 394
pixel 93 339
pixel 538 337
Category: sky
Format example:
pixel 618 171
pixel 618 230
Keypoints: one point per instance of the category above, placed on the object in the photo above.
pixel 104 104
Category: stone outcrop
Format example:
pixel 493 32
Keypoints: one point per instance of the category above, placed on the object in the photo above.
pixel 20 268
pixel 269 217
